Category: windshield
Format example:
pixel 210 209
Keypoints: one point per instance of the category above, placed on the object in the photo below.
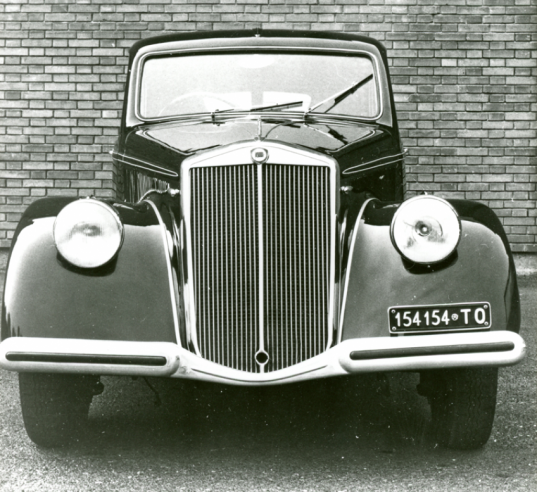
pixel 320 83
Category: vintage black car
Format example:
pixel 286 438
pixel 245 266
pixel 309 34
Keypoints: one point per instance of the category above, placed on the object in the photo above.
pixel 262 238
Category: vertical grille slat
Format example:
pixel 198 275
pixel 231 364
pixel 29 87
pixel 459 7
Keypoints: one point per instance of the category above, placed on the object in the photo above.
pixel 233 209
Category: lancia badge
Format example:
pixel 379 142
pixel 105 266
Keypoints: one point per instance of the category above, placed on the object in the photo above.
pixel 259 155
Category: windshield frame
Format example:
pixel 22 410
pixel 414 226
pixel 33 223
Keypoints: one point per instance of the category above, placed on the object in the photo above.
pixel 259 50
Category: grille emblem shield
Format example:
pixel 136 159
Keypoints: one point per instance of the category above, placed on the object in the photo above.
pixel 260 155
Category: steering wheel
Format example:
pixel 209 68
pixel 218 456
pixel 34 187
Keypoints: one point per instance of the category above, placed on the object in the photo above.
pixel 179 100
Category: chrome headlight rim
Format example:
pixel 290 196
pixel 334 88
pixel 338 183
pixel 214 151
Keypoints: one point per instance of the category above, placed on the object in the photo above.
pixel 116 220
pixel 403 207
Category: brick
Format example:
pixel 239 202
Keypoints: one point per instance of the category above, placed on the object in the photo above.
pixel 463 72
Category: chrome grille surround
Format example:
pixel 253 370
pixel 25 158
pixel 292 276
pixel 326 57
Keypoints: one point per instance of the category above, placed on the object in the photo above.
pixel 258 282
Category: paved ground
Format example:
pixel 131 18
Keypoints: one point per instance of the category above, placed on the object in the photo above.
pixel 372 435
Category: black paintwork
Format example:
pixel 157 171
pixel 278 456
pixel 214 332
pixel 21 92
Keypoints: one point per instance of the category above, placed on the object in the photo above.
pixel 481 270
pixel 126 299
pixel 250 33
pixel 360 149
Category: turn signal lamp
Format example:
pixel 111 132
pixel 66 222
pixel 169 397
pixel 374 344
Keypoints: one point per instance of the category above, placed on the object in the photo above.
pixel 425 229
pixel 88 233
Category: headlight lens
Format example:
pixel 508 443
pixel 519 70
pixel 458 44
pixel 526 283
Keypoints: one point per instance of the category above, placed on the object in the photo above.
pixel 88 233
pixel 426 229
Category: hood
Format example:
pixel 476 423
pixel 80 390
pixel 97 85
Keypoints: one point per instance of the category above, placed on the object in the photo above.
pixel 162 147
pixel 190 139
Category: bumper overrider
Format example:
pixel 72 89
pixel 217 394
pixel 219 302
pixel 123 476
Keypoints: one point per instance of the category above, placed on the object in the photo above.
pixel 365 355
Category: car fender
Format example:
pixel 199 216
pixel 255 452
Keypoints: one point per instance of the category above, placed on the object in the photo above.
pixel 377 277
pixel 132 297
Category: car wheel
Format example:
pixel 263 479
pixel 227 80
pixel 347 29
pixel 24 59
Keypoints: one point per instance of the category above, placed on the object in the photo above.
pixel 55 406
pixel 463 402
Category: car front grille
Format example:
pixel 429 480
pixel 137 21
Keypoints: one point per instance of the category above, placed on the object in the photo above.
pixel 261 260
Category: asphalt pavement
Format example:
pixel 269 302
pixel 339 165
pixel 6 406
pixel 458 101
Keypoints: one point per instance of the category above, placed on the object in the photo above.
pixel 371 433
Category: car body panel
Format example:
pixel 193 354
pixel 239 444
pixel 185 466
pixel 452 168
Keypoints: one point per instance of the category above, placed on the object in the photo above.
pixel 480 271
pixel 126 299
pixel 175 141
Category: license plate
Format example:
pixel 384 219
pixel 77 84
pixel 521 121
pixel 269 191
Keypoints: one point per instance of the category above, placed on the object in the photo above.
pixel 447 317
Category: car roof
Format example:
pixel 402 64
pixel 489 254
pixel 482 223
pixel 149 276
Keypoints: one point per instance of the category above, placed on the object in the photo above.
pixel 244 36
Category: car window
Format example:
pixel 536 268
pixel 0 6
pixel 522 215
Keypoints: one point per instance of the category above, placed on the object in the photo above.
pixel 175 85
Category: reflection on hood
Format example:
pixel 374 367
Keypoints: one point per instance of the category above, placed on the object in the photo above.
pixel 190 138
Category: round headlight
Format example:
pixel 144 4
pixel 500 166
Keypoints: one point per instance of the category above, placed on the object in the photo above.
pixel 425 229
pixel 88 233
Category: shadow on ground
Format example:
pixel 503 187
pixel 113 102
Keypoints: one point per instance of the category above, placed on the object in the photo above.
pixel 382 412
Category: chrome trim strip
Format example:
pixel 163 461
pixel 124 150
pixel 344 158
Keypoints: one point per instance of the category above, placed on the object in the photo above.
pixel 173 295
pixel 283 379
pixel 190 317
pixel 261 266
pixel 189 287
pixel 148 166
pixel 491 349
pixel 334 203
pixel 283 118
pixel 239 153
pixel 143 198
pixel 139 63
pixel 349 265
pixel 366 165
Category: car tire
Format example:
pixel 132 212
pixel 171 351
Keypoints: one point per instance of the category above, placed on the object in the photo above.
pixel 463 402
pixel 55 406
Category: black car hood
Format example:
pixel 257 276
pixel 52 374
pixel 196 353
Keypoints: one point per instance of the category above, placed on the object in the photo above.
pixel 192 138
pixel 160 148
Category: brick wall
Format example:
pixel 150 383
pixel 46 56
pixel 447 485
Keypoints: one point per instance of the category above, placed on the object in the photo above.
pixel 464 73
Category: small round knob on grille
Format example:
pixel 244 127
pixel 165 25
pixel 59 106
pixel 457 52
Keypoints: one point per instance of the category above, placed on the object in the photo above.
pixel 262 357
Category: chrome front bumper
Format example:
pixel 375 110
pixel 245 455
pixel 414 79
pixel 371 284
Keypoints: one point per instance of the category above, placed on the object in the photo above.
pixel 410 353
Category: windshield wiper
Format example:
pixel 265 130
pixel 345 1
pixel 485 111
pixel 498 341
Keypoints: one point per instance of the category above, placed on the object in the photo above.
pixel 288 105
pixel 256 108
pixel 339 96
